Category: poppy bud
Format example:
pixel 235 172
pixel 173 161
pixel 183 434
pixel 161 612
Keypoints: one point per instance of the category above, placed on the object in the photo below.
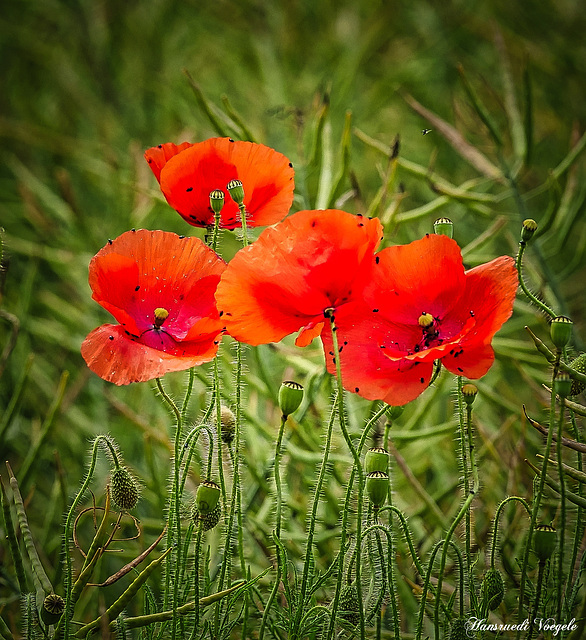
pixel 208 520
pixel 528 229
pixel 444 227
pixel 394 412
pixel 377 488
pixel 227 424
pixel 123 489
pixel 459 630
pixel 217 201
pixel 560 331
pixel 579 365
pixel 376 459
pixel 207 497
pixel 349 608
pixel 290 397
pixel 493 588
pixel 236 191
pixel 53 607
pixel 544 541
pixel 469 392
pixel 562 384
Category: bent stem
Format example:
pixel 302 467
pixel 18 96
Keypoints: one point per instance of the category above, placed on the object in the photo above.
pixel 534 299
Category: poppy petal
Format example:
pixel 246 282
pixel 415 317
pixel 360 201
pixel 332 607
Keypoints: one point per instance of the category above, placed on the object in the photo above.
pixel 365 368
pixel 470 360
pixel 426 275
pixel 312 261
pixel 157 157
pixel 188 178
pixel 113 355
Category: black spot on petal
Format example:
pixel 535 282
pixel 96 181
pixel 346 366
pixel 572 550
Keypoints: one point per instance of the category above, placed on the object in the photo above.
pixel 111 337
pixel 422 380
pixel 109 241
pixel 221 314
pixel 189 189
pixel 460 369
pixel 137 287
pixel 375 311
pixel 159 146
pixel 377 259
pixel 356 389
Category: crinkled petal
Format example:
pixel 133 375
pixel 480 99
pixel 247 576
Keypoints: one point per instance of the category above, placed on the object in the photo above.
pixel 114 356
pixel 189 177
pixel 312 261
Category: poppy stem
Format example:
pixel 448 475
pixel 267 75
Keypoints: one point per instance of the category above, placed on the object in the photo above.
pixel 533 298
pixel 358 467
pixel 562 520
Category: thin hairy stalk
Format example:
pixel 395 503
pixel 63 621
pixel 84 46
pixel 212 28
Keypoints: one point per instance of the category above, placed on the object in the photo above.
pixel 236 462
pixel 426 585
pixel 538 588
pixel 189 446
pixel 174 507
pixel 220 462
pixel 496 522
pixel 358 467
pixel 188 392
pixel 313 518
pixel 196 558
pixel 579 528
pixel 534 299
pixel 562 521
pixel 536 504
pixel 464 434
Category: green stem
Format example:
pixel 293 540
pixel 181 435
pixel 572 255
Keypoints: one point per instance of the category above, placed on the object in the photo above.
pixel 12 541
pixel 175 506
pixel 534 299
pixel 535 611
pixel 496 521
pixel 562 522
pixel 359 472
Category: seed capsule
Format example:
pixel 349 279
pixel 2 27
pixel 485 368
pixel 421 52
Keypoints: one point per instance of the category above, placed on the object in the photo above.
pixel 217 201
pixel 544 541
pixel 444 227
pixel 236 191
pixel 290 397
pixel 469 393
pixel 562 385
pixel 528 229
pixel 560 331
pixel 207 497
pixel 377 488
pixel 53 607
pixel 376 459
pixel 123 489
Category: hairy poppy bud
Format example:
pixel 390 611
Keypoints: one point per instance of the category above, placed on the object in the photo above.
pixel 227 424
pixel 544 541
pixel 394 412
pixel 376 459
pixel 562 384
pixel 528 229
pixel 377 488
pixel 290 397
pixel 123 489
pixel 560 331
pixel 236 191
pixel 458 630
pixel 208 520
pixel 207 496
pixel 53 607
pixel 579 365
pixel 444 227
pixel 469 392
pixel 493 588
pixel 349 608
pixel 217 201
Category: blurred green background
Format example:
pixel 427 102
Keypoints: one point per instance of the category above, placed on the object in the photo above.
pixel 87 86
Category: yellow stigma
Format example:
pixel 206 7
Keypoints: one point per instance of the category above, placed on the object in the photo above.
pixel 425 320
pixel 160 316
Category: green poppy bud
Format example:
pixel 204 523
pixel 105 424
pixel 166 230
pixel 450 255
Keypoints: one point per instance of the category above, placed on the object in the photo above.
pixel 376 459
pixel 349 607
pixel 236 191
pixel 290 397
pixel 53 607
pixel 377 488
pixel 444 227
pixel 208 520
pixel 458 629
pixel 227 424
pixel 493 588
pixel 207 496
pixel 528 229
pixel 562 384
pixel 123 489
pixel 544 541
pixel 469 393
pixel 579 365
pixel 217 201
pixel 394 412
pixel 560 331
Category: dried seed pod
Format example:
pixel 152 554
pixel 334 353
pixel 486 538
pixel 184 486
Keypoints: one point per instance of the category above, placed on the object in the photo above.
pixel 123 489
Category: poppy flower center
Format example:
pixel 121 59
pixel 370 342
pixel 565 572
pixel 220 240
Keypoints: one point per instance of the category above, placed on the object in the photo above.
pixel 161 314
pixel 430 328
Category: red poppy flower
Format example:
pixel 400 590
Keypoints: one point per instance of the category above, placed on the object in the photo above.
pixel 188 173
pixel 310 262
pixel 421 306
pixel 160 288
